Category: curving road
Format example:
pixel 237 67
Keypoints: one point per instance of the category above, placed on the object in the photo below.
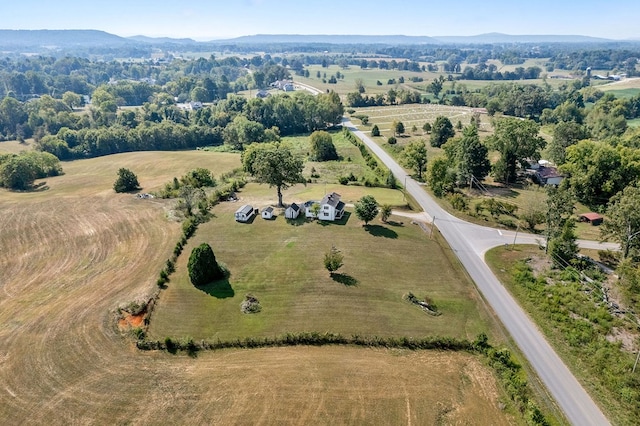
pixel 470 242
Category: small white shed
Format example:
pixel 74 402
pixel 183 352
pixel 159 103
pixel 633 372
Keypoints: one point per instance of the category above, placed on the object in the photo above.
pixel 292 211
pixel 244 213
pixel 267 213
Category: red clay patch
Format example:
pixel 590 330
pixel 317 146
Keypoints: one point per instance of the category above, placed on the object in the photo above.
pixel 131 321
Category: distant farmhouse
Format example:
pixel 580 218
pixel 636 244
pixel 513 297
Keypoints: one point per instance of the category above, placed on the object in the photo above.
pixel 331 208
pixel 284 85
pixel 543 173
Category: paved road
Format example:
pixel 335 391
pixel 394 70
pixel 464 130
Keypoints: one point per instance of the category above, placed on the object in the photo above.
pixel 470 242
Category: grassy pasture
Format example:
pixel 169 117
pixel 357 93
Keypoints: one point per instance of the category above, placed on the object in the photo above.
pixel 281 264
pixel 14 147
pixel 369 78
pixel 418 115
pixel 70 255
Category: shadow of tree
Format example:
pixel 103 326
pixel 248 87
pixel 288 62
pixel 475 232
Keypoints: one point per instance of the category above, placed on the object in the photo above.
pixel 381 231
pixel 344 279
pixel 394 223
pixel 220 289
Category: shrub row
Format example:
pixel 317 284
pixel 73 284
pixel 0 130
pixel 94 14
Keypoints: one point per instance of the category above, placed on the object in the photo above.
pixel 312 339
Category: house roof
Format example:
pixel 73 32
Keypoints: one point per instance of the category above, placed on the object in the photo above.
pixel 548 172
pixel 294 207
pixel 340 206
pixel 245 209
pixel 332 199
pixel 268 209
pixel 591 216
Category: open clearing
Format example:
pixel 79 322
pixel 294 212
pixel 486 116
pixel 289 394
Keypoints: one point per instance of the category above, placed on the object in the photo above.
pixel 72 254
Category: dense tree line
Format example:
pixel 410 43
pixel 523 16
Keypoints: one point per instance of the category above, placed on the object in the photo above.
pixel 234 121
pixel 23 78
pixel 19 171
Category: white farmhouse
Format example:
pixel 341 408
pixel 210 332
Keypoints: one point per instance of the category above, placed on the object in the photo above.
pixel 331 208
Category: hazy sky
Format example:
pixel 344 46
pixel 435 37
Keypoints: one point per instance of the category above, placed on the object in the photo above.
pixel 208 19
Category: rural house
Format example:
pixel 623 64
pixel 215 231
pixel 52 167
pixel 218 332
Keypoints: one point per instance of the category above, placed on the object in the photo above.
pixel 543 173
pixel 292 211
pixel 244 213
pixel 267 213
pixel 331 208
pixel 593 218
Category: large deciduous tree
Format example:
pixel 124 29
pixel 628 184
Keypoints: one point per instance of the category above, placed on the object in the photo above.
pixel 415 157
pixel 441 131
pixel 273 164
pixel 366 208
pixel 517 141
pixel 322 147
pixel 623 220
pixel 203 267
pixel 565 134
pixel 468 156
pixel 127 181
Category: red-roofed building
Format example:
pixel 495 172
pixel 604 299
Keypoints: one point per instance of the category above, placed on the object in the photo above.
pixel 593 218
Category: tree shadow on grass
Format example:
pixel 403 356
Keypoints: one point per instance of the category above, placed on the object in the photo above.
pixel 394 223
pixel 220 289
pixel 344 279
pixel 381 231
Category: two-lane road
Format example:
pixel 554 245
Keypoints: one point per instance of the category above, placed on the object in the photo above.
pixel 469 242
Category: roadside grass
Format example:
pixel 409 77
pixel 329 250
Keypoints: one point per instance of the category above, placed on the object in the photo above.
pixel 578 326
pixel 282 265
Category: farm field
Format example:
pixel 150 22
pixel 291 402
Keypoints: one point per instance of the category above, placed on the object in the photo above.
pixel 72 254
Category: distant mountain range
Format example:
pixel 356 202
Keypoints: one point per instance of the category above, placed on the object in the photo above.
pixel 491 38
pixel 22 40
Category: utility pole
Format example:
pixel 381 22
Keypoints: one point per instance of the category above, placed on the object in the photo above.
pixel 433 223
pixel 515 237
pixel 404 190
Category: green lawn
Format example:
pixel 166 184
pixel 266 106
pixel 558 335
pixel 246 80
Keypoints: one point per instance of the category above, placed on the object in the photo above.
pixel 282 265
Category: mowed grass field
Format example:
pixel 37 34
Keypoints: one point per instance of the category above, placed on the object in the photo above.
pixel 72 254
pixel 281 264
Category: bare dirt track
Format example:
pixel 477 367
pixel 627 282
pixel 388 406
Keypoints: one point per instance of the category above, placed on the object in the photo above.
pixel 69 256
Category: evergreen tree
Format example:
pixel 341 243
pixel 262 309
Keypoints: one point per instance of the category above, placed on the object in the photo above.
pixel 203 267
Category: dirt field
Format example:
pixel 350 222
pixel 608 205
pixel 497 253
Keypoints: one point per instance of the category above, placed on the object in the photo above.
pixel 70 255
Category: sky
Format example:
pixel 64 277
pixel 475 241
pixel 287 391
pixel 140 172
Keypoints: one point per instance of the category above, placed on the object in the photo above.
pixel 213 19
